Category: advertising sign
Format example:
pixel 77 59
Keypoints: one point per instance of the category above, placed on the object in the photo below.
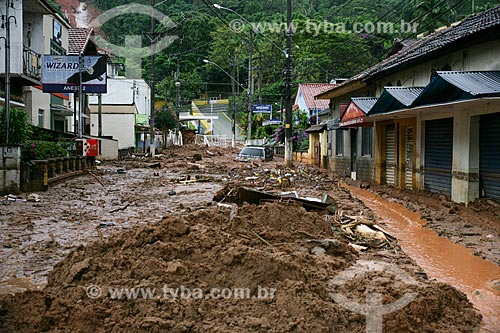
pixel 262 108
pixel 61 74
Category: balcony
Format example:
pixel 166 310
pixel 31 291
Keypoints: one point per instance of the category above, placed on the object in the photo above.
pixel 32 64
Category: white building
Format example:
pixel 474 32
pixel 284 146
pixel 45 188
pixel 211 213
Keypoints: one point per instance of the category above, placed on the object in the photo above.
pixel 125 105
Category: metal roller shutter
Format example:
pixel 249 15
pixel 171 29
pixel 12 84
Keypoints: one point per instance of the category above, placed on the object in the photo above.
pixel 489 157
pixel 438 155
pixel 409 158
pixel 390 155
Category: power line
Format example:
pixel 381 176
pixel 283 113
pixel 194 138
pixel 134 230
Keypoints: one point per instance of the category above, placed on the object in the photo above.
pixel 210 5
pixel 428 11
pixel 437 18
pixel 405 3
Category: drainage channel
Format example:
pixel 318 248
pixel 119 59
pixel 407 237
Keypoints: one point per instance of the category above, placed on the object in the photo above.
pixel 441 259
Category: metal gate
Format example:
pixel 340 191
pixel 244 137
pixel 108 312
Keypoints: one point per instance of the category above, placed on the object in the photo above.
pixel 489 156
pixel 390 155
pixel 409 158
pixel 438 155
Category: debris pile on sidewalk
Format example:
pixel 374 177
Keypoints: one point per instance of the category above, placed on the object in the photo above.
pixel 290 253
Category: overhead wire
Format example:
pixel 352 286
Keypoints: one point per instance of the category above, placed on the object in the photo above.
pixel 436 18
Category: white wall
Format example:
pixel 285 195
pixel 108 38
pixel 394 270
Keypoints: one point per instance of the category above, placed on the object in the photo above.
pixel 299 100
pixel 120 126
pixel 120 92
pixel 40 40
pixel 16 42
pixel 477 58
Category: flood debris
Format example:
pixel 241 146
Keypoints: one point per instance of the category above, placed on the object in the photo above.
pixel 362 232
pixel 173 234
pixel 154 166
pixel 96 178
pixel 250 195
pixel 272 246
pixel 33 197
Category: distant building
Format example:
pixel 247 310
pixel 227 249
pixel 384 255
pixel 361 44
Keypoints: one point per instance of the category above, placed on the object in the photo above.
pixel 125 110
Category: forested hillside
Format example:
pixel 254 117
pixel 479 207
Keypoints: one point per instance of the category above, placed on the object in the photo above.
pixel 319 52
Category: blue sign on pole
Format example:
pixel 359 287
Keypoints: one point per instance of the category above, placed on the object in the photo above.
pixel 262 108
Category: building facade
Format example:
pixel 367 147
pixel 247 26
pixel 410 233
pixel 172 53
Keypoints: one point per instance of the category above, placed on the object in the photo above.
pixel 435 120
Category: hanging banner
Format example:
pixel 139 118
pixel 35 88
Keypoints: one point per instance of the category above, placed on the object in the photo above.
pixel 61 74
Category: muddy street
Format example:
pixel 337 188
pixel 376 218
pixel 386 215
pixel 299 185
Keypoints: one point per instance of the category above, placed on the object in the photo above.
pixel 134 225
pixel 440 258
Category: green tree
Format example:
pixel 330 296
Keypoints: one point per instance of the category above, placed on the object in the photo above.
pixel 19 128
pixel 165 121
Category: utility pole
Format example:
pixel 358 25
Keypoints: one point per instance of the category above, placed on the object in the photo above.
pixel 80 97
pixel 152 79
pixel 259 82
pixel 288 87
pixel 178 97
pixel 99 115
pixel 250 86
pixel 7 69
pixel 233 101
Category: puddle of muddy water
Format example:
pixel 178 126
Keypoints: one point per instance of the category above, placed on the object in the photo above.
pixel 441 259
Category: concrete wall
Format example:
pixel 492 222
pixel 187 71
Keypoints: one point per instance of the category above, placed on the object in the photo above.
pixel 40 40
pixel 120 126
pixel 340 165
pixel 302 157
pixel 365 169
pixel 34 23
pixel 109 149
pixel 10 169
pixel 48 29
pixel 38 100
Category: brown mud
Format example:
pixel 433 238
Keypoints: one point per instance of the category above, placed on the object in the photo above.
pixel 440 258
pixel 159 229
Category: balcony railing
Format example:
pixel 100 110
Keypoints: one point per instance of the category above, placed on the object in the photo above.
pixel 32 63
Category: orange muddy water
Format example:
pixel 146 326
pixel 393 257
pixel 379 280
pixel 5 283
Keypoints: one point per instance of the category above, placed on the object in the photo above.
pixel 441 259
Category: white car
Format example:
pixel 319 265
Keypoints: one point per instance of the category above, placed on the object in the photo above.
pixel 250 153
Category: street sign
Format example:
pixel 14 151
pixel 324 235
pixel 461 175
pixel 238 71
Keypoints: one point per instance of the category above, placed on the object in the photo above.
pixel 61 74
pixel 262 108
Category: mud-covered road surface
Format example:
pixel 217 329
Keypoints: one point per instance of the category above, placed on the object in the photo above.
pixel 159 228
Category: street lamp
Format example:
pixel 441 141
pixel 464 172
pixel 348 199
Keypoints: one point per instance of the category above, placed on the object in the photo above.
pixel 234 108
pixel 288 74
